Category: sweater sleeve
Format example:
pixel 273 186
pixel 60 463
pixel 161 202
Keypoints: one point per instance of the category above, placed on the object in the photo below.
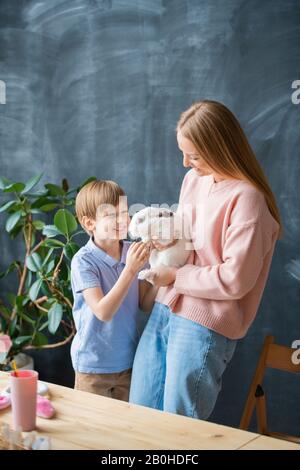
pixel 243 253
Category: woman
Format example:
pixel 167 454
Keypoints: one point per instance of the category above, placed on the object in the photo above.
pixel 202 308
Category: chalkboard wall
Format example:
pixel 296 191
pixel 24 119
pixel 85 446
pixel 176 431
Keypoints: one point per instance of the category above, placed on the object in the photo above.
pixel 95 87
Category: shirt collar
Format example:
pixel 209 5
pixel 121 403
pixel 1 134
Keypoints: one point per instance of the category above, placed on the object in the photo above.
pixel 101 255
pixel 216 186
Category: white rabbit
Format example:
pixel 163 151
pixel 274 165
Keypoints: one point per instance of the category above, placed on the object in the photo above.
pixel 166 227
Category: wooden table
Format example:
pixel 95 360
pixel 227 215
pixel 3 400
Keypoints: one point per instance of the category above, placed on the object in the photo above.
pixel 87 421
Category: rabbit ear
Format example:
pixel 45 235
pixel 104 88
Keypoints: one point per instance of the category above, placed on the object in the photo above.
pixel 133 234
pixel 133 229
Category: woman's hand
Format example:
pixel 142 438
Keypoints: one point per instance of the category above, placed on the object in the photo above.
pixel 164 275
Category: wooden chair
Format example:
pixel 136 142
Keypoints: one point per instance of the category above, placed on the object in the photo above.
pixel 272 356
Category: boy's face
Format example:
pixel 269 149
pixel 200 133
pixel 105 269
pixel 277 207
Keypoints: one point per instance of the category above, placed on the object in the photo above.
pixel 112 222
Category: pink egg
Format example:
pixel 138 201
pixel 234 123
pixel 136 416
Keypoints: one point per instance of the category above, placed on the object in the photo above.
pixel 44 408
pixel 4 401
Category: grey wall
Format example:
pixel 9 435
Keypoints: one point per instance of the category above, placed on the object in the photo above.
pixel 96 88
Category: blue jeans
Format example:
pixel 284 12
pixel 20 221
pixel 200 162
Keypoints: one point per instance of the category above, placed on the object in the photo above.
pixel 178 365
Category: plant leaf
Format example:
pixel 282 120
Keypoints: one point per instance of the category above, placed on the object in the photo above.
pixel 21 340
pixel 80 232
pixel 27 318
pixel 35 211
pixel 52 242
pixel 54 190
pixel 10 268
pixel 70 249
pixel 28 280
pixel 31 183
pixel 12 326
pixel 54 316
pixel 41 201
pixel 8 205
pixel 34 262
pixel 3 322
pixel 14 187
pixel 50 266
pixel 38 193
pixel 12 221
pixel 34 289
pixel 21 300
pixel 40 339
pixel 63 271
pixel 43 326
pixel 48 207
pixel 32 240
pixel 65 222
pixel 11 298
pixel 15 231
pixel 65 185
pixel 4 182
pixel 47 257
pixel 50 231
pixel 38 224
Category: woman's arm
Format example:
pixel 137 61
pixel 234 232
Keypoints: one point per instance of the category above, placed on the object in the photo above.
pixel 243 254
pixel 147 294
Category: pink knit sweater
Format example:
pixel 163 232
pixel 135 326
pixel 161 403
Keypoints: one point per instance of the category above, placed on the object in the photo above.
pixel 233 235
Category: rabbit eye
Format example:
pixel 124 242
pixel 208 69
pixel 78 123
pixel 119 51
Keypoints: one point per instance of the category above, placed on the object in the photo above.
pixel 140 220
pixel 165 214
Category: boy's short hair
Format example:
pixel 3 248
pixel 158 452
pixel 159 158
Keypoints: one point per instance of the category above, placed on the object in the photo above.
pixel 93 195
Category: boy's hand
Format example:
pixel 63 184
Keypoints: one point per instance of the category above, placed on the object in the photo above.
pixel 137 255
pixel 158 246
pixel 161 246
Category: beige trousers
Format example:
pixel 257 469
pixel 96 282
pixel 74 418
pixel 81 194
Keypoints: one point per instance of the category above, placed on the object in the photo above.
pixel 115 385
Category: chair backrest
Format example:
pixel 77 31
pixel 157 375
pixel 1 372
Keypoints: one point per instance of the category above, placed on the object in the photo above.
pixel 272 356
pixel 280 357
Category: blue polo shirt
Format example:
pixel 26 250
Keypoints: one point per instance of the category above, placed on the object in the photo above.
pixel 103 347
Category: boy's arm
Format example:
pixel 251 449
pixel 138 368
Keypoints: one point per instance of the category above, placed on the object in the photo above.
pixel 105 306
pixel 147 294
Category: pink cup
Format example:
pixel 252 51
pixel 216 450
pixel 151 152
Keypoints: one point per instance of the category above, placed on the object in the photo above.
pixel 23 387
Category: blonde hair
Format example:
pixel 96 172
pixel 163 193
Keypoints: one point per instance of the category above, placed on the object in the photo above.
pixel 93 195
pixel 223 145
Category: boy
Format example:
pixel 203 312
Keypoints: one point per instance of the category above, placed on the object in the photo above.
pixel 107 293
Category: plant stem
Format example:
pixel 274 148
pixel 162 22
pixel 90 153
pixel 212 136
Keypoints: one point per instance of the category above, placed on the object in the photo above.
pixel 41 299
pixel 24 273
pixel 56 270
pixel 39 307
pixel 59 294
pixel 19 272
pixel 65 299
pixel 38 245
pixel 54 345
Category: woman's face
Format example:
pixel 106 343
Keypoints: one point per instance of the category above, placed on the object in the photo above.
pixel 192 159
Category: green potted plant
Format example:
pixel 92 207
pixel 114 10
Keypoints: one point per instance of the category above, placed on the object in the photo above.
pixel 38 313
